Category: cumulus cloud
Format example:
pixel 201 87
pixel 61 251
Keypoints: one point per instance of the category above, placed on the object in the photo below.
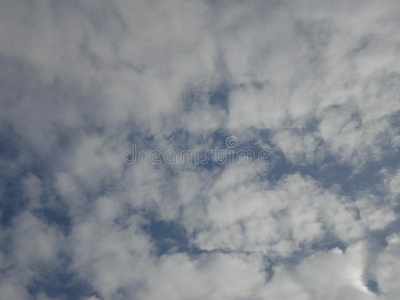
pixel 315 83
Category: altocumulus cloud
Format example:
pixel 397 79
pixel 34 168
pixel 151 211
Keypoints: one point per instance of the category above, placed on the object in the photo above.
pixel 314 83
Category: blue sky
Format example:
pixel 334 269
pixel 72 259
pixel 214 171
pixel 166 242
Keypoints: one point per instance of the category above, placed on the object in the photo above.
pixel 313 83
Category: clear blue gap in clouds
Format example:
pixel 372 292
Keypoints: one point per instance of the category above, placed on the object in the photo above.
pixel 61 282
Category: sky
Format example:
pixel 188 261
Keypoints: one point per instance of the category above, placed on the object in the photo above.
pixel 310 87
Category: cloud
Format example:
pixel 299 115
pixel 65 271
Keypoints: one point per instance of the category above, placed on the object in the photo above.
pixel 324 275
pixel 313 82
pixel 388 267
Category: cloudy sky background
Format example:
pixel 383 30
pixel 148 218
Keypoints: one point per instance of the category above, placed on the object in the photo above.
pixel 316 83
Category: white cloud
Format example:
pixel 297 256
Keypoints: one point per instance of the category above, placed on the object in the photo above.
pixel 324 275
pixel 388 268
pixel 316 80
